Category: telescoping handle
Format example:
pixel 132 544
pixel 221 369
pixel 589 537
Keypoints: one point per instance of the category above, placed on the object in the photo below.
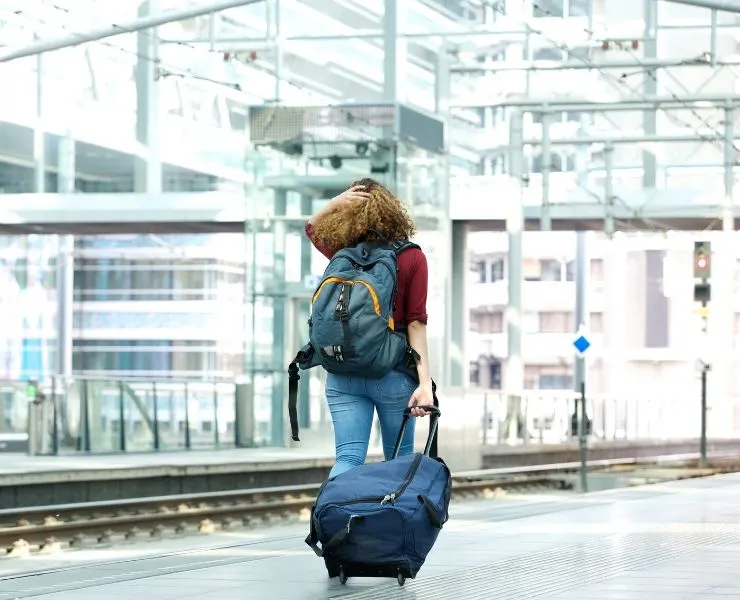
pixel 435 414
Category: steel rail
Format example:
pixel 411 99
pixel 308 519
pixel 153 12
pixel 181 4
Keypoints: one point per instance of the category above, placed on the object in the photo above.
pixel 52 528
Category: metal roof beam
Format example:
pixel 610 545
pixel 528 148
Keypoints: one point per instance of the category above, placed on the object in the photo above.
pixel 696 138
pixel 139 24
pixel 586 105
pixel 544 65
pixel 732 6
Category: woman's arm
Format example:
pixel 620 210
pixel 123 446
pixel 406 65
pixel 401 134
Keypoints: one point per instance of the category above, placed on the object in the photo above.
pixel 417 333
pixel 337 202
pixel 334 204
pixel 416 318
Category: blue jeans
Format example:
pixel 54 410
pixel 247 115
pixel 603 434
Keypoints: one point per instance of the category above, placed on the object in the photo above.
pixel 352 401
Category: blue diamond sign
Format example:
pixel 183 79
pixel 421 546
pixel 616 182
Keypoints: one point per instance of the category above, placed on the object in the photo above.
pixel 581 344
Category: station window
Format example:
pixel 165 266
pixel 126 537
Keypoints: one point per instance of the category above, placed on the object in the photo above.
pixel 497 270
pixel 474 373
pixel 551 270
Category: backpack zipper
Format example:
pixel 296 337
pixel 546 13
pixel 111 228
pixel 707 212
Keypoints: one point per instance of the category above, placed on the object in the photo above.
pixel 365 284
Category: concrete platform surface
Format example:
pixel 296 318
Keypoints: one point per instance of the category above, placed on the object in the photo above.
pixel 14 467
pixel 672 541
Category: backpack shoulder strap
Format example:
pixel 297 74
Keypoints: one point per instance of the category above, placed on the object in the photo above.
pixel 401 245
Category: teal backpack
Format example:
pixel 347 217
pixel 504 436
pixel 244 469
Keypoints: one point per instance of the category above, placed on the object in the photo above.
pixel 351 329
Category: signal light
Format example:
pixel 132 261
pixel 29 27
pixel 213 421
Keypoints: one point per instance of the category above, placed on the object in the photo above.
pixel 702 260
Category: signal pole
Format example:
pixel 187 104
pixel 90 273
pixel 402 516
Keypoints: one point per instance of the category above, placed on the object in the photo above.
pixel 703 295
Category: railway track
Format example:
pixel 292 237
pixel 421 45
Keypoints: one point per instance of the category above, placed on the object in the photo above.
pixel 49 529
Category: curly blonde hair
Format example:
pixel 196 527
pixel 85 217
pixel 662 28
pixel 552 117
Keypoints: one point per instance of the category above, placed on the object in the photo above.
pixel 382 216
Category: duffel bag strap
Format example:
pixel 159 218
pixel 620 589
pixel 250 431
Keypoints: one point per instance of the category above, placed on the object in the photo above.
pixel 336 540
pixel 433 450
pixel 313 538
pixel 434 517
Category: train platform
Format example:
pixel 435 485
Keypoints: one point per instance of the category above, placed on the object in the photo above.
pixel 672 541
pixel 34 480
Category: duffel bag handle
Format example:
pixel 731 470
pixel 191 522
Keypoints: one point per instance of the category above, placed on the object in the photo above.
pixel 435 414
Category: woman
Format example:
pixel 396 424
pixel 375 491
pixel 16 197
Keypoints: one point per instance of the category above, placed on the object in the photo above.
pixel 346 220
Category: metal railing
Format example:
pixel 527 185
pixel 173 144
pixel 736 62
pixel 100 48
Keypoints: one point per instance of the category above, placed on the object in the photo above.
pixel 100 416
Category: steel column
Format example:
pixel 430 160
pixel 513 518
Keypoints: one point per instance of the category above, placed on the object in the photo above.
pixel 608 190
pixel 546 156
pixel 394 49
pixel 304 311
pixel 514 378
pixel 454 259
pixel 458 324
pixel 728 216
pixel 39 133
pixel 650 88
pixel 66 172
pixel 147 170
pixel 274 23
pixel 279 299
pixel 582 267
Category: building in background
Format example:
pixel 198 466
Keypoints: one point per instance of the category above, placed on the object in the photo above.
pixel 643 323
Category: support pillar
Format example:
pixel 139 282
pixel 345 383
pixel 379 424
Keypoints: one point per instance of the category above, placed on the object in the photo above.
pixel 66 170
pixel 457 332
pixel 545 221
pixel 609 190
pixel 394 48
pixel 273 33
pixel 148 170
pixel 650 90
pixel 582 264
pixel 513 427
pixel 278 297
pixel 304 311
pixel 452 256
pixel 39 134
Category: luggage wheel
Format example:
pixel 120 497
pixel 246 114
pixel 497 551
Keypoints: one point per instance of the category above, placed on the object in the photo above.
pixel 401 578
pixel 343 576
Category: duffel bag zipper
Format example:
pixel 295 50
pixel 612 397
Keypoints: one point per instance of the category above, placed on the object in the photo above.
pixel 406 481
pixel 359 500
pixel 392 497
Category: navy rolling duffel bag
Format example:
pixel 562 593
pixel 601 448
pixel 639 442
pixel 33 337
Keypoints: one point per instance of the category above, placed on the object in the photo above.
pixel 382 519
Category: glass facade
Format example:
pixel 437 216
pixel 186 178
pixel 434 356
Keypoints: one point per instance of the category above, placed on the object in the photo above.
pixel 119 116
pixel 173 308
pixel 28 296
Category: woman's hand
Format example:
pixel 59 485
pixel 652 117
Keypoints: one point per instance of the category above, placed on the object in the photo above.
pixel 354 193
pixel 422 396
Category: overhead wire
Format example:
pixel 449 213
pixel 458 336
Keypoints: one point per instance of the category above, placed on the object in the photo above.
pixel 619 84
pixel 165 68
pixel 649 71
